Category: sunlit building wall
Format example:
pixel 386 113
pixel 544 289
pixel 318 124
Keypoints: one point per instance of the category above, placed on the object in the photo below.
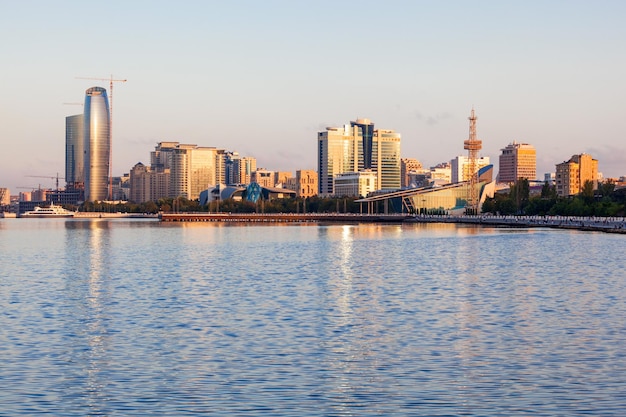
pixel 460 168
pixel 571 175
pixel 347 149
pixel 517 160
pixel 193 170
pixel 97 143
pixel 355 184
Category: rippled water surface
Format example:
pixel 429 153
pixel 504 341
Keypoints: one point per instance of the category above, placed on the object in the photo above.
pixel 146 318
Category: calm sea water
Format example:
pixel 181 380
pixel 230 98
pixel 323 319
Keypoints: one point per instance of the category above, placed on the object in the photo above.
pixel 123 318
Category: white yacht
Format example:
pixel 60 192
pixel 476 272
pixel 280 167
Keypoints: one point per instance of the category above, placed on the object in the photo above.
pixel 45 212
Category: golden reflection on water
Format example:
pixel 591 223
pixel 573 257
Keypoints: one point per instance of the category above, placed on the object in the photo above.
pixel 95 236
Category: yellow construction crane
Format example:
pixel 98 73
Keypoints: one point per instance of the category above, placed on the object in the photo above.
pixel 111 80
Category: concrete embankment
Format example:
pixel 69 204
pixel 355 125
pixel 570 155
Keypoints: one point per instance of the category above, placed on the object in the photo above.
pixel 102 215
pixel 599 224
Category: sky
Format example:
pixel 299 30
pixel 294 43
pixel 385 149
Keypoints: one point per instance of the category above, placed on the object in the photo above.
pixel 263 77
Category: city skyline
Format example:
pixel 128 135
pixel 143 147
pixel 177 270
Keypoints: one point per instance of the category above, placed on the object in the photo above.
pixel 263 79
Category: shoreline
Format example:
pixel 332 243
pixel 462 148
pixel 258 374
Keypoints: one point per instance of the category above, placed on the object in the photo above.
pixel 588 224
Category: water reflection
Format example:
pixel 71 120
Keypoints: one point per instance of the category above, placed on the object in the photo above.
pixel 87 245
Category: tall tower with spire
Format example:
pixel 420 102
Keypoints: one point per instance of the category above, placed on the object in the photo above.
pixel 473 145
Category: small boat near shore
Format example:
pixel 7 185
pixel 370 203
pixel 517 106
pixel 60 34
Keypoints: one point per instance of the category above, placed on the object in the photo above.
pixel 53 211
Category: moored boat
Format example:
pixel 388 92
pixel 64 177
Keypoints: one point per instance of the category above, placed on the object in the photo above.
pixel 52 211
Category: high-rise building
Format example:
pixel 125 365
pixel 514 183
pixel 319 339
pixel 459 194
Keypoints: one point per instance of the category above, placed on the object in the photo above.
pixel 193 170
pixel 161 157
pixel 97 144
pixel 517 160
pixel 460 168
pixel 572 175
pixel 147 184
pixel 408 165
pixel 355 147
pixel 74 152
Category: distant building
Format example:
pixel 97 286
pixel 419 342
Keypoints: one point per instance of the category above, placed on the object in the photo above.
pixel 571 175
pixel 355 184
pixel 280 177
pixel 263 177
pixel 96 119
pixel 161 157
pixel 517 160
pixel 74 152
pixel 307 183
pixel 460 168
pixel 356 147
pixel 5 197
pixel 407 166
pixel 193 169
pixel 441 173
pixel 147 184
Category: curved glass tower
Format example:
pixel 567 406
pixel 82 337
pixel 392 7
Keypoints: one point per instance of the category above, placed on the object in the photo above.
pixel 96 124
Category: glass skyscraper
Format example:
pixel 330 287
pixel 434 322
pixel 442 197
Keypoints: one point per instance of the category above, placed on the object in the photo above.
pixel 74 152
pixel 97 144
pixel 357 147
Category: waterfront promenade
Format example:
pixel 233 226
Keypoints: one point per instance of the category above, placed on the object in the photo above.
pixel 603 224
pixel 283 217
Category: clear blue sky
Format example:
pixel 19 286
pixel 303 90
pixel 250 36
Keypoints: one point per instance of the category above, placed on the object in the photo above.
pixel 262 77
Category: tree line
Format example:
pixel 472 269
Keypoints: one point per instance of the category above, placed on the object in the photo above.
pixel 604 201
pixel 183 205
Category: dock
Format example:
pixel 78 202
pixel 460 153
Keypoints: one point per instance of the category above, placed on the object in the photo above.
pixel 284 217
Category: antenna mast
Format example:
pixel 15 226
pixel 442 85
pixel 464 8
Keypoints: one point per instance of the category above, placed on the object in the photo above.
pixel 473 145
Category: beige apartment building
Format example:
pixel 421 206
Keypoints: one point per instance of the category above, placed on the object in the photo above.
pixel 571 175
pixel 194 169
pixel 147 184
pixel 304 183
pixel 517 160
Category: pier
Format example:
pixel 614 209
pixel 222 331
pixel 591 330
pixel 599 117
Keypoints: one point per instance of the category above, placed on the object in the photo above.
pixel 283 217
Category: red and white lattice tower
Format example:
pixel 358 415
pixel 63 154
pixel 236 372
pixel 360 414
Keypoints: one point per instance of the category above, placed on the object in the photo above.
pixel 473 145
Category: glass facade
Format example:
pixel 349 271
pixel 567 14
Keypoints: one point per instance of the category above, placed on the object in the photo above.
pixel 342 150
pixel 74 152
pixel 97 144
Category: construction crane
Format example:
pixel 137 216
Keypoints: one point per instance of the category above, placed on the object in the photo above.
pixel 111 80
pixel 49 177
pixel 472 145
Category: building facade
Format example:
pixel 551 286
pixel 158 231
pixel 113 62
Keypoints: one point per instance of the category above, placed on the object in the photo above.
pixel 74 152
pixel 355 184
pixel 263 177
pixel 356 147
pixel 460 168
pixel 572 175
pixel 407 166
pixel 517 160
pixel 193 170
pixel 97 144
pixel 147 184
